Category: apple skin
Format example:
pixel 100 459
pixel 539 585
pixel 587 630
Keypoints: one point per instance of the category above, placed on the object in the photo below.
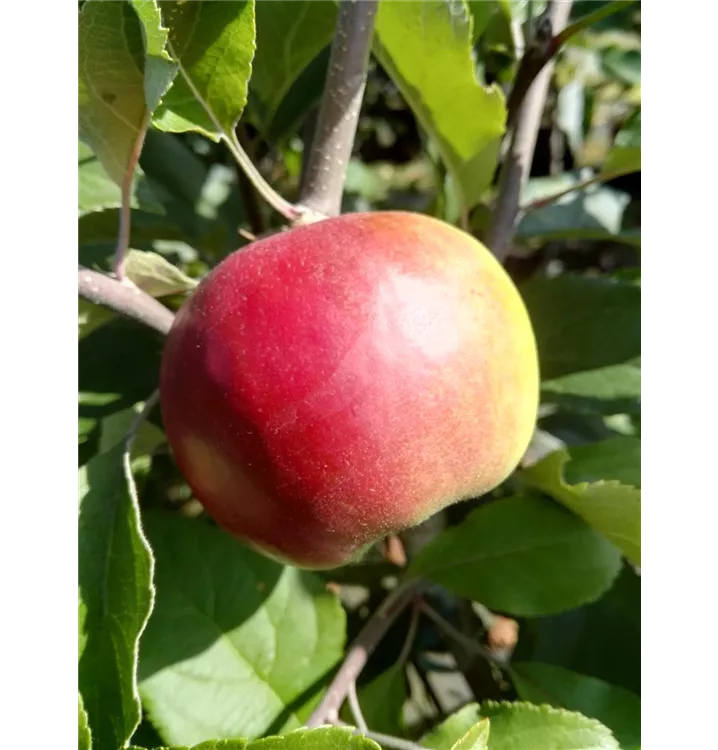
pixel 339 381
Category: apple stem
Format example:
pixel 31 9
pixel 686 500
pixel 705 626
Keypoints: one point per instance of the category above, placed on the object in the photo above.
pixel 331 147
pixel 359 652
pixel 125 298
pixel 525 108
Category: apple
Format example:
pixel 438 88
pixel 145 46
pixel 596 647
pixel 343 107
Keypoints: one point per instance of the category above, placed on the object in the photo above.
pixel 330 384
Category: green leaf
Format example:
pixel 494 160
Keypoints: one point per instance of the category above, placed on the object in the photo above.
pixel 522 726
pixel 115 569
pixel 100 228
pixel 625 156
pixel 453 729
pixel 617 458
pixel 323 738
pixel 610 389
pixel 519 9
pixel 521 555
pixel 426 49
pixel 620 20
pixel 624 64
pixel 119 365
pixel 214 43
pixel 116 426
pixel 571 113
pixel 477 738
pixel 111 78
pixel 481 13
pixel 304 94
pixel 583 323
pixel 591 213
pixel 84 737
pixel 382 702
pixel 609 506
pixel 96 191
pixel 602 639
pixel 159 68
pixel 237 645
pixel 218 745
pixel 290 34
pixel 155 275
pixel 617 708
pixel 203 203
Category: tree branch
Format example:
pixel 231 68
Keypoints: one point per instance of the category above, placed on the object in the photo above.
pixel 333 139
pixel 327 711
pixel 517 164
pixel 468 644
pixel 125 298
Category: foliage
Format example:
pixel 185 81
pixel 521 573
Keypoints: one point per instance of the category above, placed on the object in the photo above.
pixel 187 638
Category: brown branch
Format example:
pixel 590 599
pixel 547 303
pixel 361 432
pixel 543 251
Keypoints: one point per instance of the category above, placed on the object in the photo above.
pixel 538 52
pixel 327 711
pixel 333 140
pixel 517 163
pixel 125 298
pixel 468 644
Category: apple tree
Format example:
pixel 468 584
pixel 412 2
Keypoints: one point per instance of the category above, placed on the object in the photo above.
pixel 507 620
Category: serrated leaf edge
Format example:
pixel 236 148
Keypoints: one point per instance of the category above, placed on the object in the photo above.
pixel 134 501
pixel 485 732
pixel 564 493
pixel 544 708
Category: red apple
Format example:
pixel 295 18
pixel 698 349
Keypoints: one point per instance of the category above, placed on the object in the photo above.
pixel 333 383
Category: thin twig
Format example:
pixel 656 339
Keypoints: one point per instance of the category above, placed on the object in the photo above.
pixel 517 164
pixel 328 157
pixel 123 236
pixel 355 708
pixel 468 644
pixel 410 635
pixel 125 298
pixel 356 657
pixel 543 202
pixel 283 207
pixel 353 698
pixel 387 740
pixel 396 743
